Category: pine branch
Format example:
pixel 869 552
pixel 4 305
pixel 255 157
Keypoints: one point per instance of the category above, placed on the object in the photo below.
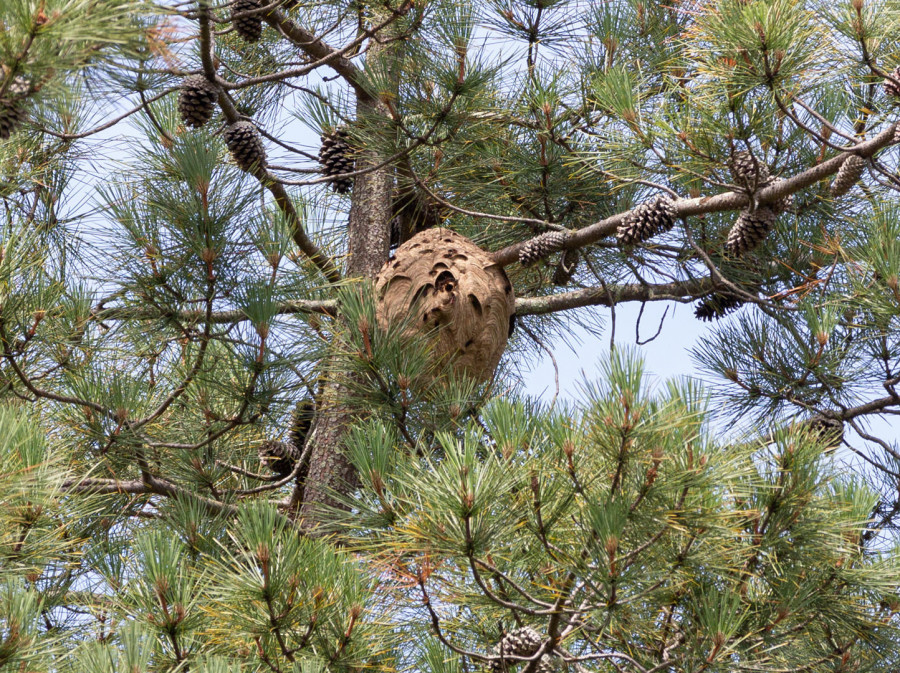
pixel 611 295
pixel 149 485
pixel 328 55
pixel 720 202
pixel 310 249
pixel 322 307
pixel 145 104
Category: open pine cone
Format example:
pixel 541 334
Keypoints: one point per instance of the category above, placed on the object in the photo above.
pixel 717 305
pixel 748 171
pixel 248 27
pixel 522 642
pixel 197 100
pixel 647 220
pixel 448 285
pixel 749 230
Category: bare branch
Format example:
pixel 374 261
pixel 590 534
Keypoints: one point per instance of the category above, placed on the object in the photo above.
pixel 323 307
pixel 612 295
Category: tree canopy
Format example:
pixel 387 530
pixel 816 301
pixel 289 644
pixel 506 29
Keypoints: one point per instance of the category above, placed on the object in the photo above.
pixel 220 451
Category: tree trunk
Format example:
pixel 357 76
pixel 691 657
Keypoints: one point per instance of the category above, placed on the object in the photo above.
pixel 368 248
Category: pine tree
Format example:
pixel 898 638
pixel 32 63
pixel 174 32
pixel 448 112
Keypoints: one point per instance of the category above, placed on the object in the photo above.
pixel 198 200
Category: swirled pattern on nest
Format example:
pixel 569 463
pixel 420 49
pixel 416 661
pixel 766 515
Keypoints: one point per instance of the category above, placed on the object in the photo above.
pixel 453 290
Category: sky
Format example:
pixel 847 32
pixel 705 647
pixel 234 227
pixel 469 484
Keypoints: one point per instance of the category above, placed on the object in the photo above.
pixel 666 356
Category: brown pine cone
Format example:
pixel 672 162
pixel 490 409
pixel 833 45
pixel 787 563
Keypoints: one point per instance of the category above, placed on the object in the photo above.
pixel 648 219
pixel 521 642
pixel 750 229
pixel 280 457
pixel 717 305
pixel 336 157
pixel 748 171
pixel 245 145
pixel 848 175
pixel 197 100
pixel 542 246
pixel 248 27
pixel 565 269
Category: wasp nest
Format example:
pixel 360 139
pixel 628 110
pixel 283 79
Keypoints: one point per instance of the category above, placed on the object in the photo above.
pixel 446 285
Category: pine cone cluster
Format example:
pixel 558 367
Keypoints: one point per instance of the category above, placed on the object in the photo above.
pixel 748 171
pixel 648 219
pixel 197 100
pixel 749 230
pixel 245 145
pixel 717 306
pixel 565 269
pixel 892 83
pixel 248 27
pixel 522 642
pixel 848 175
pixel 336 157
pixel 12 106
pixel 542 246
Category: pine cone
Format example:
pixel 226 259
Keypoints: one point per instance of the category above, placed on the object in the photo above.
pixel 748 171
pixel 280 457
pixel 647 220
pixel 248 27
pixel 547 664
pixel 336 157
pixel 753 175
pixel 244 143
pixel 565 269
pixel 717 305
pixel 892 87
pixel 522 642
pixel 848 175
pixel 749 230
pixel 538 248
pixel 197 100
pixel 12 106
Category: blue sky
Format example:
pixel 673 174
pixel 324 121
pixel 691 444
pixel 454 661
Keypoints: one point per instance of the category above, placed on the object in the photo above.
pixel 666 356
